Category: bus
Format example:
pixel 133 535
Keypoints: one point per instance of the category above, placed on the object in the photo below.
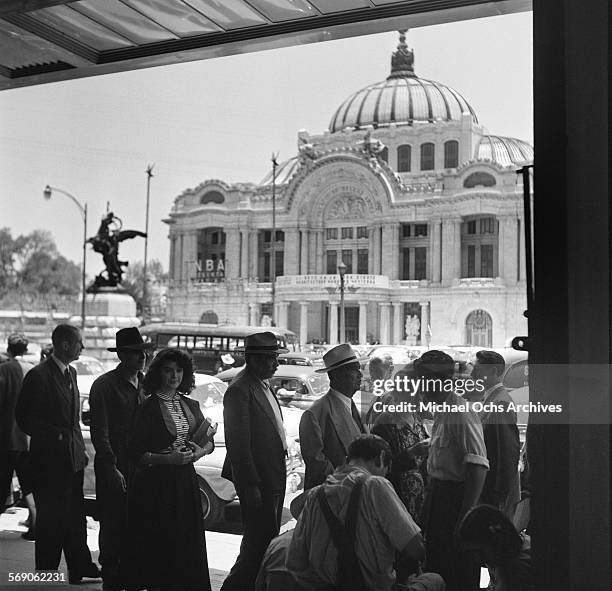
pixel 207 342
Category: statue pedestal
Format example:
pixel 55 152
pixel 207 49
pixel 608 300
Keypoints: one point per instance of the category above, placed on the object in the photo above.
pixel 110 303
pixel 105 313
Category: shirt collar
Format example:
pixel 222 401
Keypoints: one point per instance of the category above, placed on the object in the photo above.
pixel 62 366
pixel 346 401
pixel 168 397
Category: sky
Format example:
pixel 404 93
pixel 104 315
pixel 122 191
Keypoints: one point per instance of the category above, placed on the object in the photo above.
pixel 222 119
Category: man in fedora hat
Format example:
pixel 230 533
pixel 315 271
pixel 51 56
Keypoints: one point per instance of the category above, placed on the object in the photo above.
pixel 113 398
pixel 256 446
pixel 332 422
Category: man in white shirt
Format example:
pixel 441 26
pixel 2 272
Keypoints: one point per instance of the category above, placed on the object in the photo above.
pixel 457 466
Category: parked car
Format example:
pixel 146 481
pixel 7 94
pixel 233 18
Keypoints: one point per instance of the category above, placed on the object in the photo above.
pixel 296 386
pixel 302 358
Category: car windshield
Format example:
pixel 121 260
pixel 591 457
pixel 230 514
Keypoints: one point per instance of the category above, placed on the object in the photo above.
pixel 87 367
pixel 210 394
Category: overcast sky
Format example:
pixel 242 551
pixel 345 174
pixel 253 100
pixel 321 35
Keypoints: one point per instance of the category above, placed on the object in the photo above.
pixel 223 118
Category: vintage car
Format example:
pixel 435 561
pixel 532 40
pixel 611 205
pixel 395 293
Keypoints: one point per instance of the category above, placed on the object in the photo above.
pixel 296 386
pixel 216 493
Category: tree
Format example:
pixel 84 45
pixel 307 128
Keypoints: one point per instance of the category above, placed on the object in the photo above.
pixel 31 264
pixel 134 279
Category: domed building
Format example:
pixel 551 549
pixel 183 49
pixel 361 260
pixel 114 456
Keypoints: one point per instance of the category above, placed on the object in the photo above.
pixel 406 192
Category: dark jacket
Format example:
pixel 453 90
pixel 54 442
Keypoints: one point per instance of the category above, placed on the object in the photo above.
pixel 11 377
pixel 112 401
pixel 47 408
pixel 326 431
pixel 255 451
pixel 501 439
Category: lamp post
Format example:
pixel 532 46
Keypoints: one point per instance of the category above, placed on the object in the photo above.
pixel 342 273
pixel 273 245
pixel 145 294
pixel 83 209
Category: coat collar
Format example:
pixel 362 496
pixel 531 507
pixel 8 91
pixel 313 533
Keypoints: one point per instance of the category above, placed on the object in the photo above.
pixel 342 420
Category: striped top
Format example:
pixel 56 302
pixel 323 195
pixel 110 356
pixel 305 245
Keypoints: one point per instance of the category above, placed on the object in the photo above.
pixel 173 404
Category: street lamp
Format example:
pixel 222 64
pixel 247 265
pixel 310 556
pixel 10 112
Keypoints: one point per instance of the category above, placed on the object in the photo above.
pixel 342 273
pixel 83 209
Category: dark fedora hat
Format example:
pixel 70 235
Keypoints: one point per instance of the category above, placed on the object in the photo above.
pixel 130 338
pixel 261 343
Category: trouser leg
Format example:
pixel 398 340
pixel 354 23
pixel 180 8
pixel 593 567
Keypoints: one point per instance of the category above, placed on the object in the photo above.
pixel 78 556
pixel 260 526
pixel 444 556
pixel 52 500
pixel 112 507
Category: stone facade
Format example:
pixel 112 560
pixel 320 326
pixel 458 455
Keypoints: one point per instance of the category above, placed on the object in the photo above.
pixel 434 233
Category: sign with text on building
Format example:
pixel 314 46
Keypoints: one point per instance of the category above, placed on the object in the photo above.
pixel 323 281
pixel 209 270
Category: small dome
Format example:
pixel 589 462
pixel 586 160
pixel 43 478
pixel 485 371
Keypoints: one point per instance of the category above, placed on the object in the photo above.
pixel 284 171
pixel 402 98
pixel 506 151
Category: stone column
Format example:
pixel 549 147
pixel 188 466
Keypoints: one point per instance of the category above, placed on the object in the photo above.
pixel 253 314
pixel 253 253
pixel 181 257
pixel 191 255
pixel 451 250
pixel 303 323
pixel 312 252
pixel 434 251
pixel 304 252
pixel 244 254
pixel 363 322
pixel 371 250
pixel 283 314
pixel 333 323
pixel 508 249
pixel 384 322
pixel 291 251
pixel 390 250
pixel 425 321
pixel 172 263
pixel 319 262
pixel 397 323
pixel 232 253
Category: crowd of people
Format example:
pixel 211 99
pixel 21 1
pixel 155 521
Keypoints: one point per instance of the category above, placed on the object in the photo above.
pixel 392 500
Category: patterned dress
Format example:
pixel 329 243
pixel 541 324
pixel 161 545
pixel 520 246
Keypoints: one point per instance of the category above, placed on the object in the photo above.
pixel 408 475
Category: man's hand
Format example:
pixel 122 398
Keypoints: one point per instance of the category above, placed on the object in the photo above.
pixel 119 480
pixel 420 449
pixel 252 497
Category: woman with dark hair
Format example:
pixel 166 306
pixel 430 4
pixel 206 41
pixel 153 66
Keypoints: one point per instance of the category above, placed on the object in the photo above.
pixel 165 520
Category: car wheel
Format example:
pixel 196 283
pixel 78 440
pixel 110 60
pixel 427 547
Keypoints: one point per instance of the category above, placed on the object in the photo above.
pixel 213 507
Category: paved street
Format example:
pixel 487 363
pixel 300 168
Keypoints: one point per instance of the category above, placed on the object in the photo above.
pixel 17 554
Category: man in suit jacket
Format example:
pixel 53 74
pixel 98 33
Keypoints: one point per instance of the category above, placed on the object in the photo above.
pixel 113 399
pixel 329 426
pixel 48 411
pixel 256 449
pixel 14 456
pixel 502 485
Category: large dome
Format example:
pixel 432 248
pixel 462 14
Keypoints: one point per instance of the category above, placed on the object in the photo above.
pixel 402 98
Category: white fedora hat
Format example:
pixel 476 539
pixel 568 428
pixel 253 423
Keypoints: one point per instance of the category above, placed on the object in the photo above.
pixel 338 356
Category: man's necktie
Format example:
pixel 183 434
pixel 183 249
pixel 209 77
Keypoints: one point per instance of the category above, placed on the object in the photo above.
pixel 68 378
pixel 356 416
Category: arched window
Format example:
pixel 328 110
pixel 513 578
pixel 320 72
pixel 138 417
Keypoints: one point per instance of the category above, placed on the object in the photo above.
pixel 209 317
pixel 384 154
pixel 404 155
pixel 451 154
pixel 479 329
pixel 479 179
pixel 212 197
pixel 428 155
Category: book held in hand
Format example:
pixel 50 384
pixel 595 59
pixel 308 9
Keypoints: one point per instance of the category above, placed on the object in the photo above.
pixel 200 436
